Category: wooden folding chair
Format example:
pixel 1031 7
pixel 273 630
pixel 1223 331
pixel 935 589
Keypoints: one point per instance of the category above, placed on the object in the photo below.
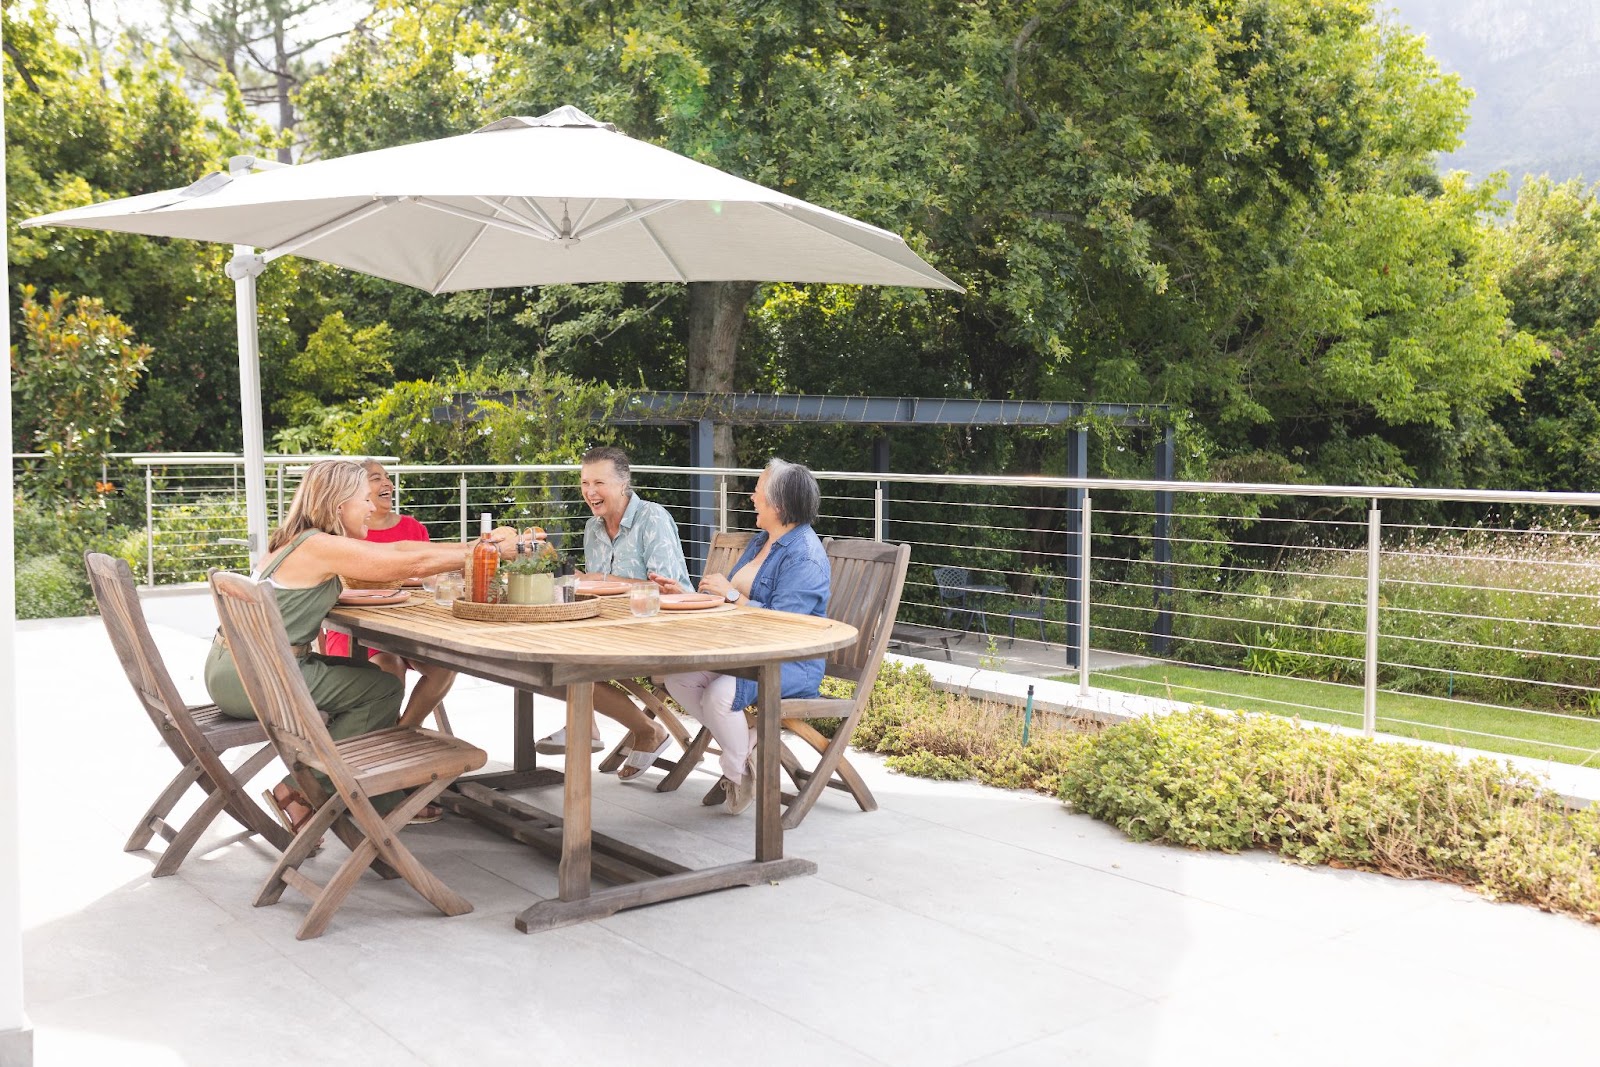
pixel 420 760
pixel 866 580
pixel 723 553
pixel 196 734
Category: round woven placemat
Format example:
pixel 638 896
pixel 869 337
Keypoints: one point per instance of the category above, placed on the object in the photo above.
pixel 580 609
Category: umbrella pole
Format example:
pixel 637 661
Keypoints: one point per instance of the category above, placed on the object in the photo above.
pixel 243 268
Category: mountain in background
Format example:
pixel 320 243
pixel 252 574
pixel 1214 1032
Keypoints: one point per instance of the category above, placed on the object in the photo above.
pixel 1535 67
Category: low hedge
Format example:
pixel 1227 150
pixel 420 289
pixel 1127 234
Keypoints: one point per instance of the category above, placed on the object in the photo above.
pixel 1231 782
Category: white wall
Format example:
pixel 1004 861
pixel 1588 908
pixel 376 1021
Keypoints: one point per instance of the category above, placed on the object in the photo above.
pixel 13 1043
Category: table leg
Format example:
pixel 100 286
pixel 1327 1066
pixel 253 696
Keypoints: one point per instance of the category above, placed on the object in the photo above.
pixel 523 757
pixel 573 878
pixel 769 799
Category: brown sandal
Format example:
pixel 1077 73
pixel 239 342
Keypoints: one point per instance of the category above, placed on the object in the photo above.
pixel 279 806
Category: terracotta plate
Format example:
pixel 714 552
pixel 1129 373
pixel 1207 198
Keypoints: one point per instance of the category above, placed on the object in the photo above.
pixel 370 597
pixel 412 583
pixel 603 588
pixel 690 601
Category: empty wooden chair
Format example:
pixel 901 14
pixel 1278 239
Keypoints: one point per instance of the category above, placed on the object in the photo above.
pixel 359 768
pixel 196 734
pixel 866 580
pixel 723 553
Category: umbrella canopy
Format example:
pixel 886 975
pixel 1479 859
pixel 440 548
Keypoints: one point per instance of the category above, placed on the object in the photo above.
pixel 523 201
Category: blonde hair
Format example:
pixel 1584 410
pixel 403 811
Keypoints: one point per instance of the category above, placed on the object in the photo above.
pixel 327 484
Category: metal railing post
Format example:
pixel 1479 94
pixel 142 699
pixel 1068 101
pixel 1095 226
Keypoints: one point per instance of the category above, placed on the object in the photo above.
pixel 722 503
pixel 1083 597
pixel 877 512
pixel 280 492
pixel 149 527
pixel 464 534
pixel 1369 700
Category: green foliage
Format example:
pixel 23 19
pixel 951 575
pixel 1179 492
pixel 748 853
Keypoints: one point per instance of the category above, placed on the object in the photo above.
pixel 50 538
pixel 48 587
pixel 338 364
pixel 186 537
pixel 70 377
pixel 1553 253
pixel 1236 782
pixel 74 137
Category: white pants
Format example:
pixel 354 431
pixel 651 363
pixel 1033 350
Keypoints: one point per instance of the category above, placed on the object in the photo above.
pixel 708 697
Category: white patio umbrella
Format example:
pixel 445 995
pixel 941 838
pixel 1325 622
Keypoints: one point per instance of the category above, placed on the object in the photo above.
pixel 522 201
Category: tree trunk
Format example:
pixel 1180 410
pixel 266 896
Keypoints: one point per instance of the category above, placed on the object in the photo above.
pixel 716 319
pixel 280 62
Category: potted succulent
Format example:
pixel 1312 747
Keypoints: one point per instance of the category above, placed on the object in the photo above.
pixel 531 579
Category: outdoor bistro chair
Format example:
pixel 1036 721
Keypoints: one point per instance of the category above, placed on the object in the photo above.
pixel 957 593
pixel 723 552
pixel 196 734
pixel 359 767
pixel 866 582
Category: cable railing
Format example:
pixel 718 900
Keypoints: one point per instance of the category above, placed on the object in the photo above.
pixel 1459 616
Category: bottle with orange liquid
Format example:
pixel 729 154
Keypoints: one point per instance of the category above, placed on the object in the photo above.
pixel 485 562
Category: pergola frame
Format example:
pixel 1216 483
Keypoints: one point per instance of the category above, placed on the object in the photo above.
pixel 701 412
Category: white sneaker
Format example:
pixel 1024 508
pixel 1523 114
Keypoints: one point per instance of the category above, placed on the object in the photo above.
pixel 556 744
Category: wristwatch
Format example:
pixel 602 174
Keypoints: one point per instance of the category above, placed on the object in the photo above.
pixel 732 595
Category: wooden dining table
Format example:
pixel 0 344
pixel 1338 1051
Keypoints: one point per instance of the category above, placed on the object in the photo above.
pixel 573 656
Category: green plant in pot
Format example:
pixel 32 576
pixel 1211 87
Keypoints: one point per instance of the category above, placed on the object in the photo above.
pixel 531 579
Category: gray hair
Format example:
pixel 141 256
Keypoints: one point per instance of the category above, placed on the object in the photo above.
pixel 792 489
pixel 612 455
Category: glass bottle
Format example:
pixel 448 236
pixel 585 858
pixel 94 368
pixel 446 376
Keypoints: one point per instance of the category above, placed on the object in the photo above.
pixel 485 562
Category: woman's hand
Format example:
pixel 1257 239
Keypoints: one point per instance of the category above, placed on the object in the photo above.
pixel 667 585
pixel 716 584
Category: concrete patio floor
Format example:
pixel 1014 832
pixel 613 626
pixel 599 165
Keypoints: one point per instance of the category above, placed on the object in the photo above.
pixel 956 925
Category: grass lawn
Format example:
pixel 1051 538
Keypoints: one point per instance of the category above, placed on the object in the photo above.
pixel 1323 702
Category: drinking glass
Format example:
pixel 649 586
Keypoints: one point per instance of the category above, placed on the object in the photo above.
pixel 449 587
pixel 644 599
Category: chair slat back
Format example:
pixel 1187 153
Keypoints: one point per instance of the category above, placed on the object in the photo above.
pixel 867 578
pixel 725 550
pixel 115 595
pixel 269 672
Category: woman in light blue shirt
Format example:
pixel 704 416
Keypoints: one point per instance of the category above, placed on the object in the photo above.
pixel 784 568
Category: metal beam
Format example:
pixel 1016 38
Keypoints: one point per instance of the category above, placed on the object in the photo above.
pixel 672 408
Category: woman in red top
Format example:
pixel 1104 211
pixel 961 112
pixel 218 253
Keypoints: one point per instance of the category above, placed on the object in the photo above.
pixel 386 526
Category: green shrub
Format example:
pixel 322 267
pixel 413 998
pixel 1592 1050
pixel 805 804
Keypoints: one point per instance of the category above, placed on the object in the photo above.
pixel 1235 782
pixel 50 543
pixel 49 588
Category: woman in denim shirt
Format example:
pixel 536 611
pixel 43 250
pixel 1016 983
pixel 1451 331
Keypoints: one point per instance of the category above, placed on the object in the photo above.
pixel 785 569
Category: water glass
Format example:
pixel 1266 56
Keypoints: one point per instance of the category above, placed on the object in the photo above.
pixel 644 599
pixel 449 587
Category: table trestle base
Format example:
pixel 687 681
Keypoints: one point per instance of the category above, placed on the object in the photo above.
pixel 613 861
pixel 552 914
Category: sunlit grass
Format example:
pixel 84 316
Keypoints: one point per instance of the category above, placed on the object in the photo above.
pixel 1445 721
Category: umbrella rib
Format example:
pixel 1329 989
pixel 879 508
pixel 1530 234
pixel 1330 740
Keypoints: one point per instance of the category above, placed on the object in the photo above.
pixel 650 233
pixel 349 218
pixel 544 216
pixel 516 215
pixel 577 227
pixel 487 220
pixel 622 217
